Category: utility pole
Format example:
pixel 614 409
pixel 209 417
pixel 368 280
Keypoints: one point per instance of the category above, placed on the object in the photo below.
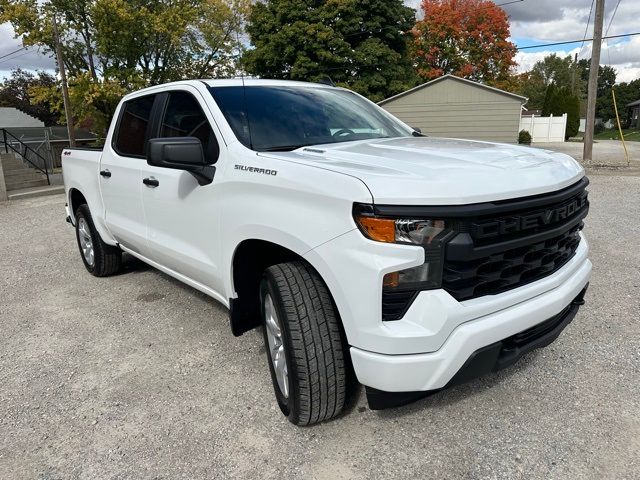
pixel 574 74
pixel 65 89
pixel 587 153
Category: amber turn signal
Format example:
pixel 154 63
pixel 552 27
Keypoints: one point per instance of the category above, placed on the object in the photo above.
pixel 379 229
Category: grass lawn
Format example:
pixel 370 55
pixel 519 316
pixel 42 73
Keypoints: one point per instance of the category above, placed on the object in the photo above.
pixel 629 135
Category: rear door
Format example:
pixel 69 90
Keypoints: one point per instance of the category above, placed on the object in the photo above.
pixel 120 173
pixel 182 216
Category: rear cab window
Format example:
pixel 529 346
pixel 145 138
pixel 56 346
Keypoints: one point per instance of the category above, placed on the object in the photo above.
pixel 133 124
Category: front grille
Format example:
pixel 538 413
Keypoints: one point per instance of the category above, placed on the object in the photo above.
pixel 509 269
pixel 483 260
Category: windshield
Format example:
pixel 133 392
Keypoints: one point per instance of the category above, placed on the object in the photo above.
pixel 281 118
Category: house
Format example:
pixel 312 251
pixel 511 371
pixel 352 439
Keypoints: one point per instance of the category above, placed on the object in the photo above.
pixel 634 114
pixel 451 106
pixel 12 117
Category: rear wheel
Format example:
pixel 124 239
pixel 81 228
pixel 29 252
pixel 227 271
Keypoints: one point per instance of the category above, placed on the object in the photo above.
pixel 304 343
pixel 99 258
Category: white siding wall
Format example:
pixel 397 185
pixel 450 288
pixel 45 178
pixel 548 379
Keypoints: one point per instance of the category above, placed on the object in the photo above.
pixel 14 118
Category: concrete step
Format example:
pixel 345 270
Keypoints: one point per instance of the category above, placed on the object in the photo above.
pixel 13 182
pixel 23 172
pixel 35 192
pixel 18 168
pixel 26 184
pixel 7 156
pixel 6 166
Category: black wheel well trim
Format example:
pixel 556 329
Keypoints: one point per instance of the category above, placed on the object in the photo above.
pixel 76 198
pixel 250 259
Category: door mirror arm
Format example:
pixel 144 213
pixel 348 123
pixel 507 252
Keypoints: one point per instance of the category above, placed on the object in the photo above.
pixel 204 175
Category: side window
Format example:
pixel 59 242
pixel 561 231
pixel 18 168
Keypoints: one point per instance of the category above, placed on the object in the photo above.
pixel 132 127
pixel 183 117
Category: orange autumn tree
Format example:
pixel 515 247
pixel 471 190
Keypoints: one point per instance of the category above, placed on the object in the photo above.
pixel 467 38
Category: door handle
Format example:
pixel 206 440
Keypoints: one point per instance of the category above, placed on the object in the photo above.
pixel 151 182
pixel 105 173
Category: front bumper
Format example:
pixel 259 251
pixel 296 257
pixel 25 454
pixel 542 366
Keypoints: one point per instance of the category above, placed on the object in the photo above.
pixel 491 358
pixel 434 370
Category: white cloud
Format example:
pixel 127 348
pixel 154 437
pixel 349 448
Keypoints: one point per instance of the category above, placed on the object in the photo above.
pixel 542 21
pixel 623 56
pixel 548 21
pixel 29 59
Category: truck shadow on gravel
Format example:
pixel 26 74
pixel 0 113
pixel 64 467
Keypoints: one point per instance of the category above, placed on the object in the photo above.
pixel 447 397
pixel 432 401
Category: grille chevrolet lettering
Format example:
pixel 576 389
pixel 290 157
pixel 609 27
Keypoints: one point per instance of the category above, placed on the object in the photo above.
pixel 517 223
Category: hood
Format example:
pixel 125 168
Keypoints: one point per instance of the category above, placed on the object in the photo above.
pixel 441 171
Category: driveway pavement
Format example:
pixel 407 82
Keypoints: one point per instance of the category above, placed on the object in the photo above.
pixel 136 376
pixel 607 153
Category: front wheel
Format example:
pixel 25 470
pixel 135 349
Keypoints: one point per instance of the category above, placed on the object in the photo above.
pixel 99 258
pixel 304 344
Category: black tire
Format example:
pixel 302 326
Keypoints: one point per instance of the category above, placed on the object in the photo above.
pixel 312 340
pixel 107 259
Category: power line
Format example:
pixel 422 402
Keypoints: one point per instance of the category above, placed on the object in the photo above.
pixel 508 3
pixel 615 10
pixel 11 53
pixel 13 58
pixel 576 41
pixel 586 28
pixel 613 15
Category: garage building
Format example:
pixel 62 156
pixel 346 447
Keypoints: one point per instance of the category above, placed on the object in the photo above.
pixel 451 106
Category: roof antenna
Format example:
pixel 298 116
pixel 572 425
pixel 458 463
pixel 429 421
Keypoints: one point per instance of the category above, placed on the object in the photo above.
pixel 244 95
pixel 326 80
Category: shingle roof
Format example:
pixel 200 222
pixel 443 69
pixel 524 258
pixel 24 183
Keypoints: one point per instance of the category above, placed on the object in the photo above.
pixel 453 77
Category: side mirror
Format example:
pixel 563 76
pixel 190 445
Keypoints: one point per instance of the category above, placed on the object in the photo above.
pixel 181 153
pixel 417 132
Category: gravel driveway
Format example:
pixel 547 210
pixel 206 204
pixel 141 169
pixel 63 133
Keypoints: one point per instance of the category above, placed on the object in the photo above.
pixel 137 376
pixel 607 153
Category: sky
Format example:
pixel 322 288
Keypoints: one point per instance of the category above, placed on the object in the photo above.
pixel 532 22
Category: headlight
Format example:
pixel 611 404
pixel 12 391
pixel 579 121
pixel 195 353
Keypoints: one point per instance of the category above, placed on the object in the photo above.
pixel 431 234
pixel 401 230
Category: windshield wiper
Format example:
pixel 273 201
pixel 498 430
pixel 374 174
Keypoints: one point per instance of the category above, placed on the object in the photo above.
pixel 284 148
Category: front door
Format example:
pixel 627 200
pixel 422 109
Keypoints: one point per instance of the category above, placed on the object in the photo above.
pixel 182 216
pixel 120 174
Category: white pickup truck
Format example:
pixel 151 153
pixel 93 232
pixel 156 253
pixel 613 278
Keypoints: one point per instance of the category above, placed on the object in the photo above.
pixel 360 244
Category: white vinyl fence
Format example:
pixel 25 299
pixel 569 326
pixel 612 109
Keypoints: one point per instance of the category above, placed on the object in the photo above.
pixel 545 129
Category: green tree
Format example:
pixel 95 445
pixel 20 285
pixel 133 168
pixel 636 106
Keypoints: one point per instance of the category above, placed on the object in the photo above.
pixel 626 92
pixel 560 100
pixel 552 69
pixel 17 90
pixel 606 80
pixel 549 107
pixel 361 44
pixel 113 46
pixel 572 107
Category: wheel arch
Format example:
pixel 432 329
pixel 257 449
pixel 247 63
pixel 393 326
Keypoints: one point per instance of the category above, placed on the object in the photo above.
pixel 250 259
pixel 76 198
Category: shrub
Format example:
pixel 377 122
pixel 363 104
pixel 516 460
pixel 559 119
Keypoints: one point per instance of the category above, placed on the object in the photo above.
pixel 572 108
pixel 524 137
pixel 598 128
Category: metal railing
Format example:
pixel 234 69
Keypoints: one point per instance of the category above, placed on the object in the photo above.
pixel 28 154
